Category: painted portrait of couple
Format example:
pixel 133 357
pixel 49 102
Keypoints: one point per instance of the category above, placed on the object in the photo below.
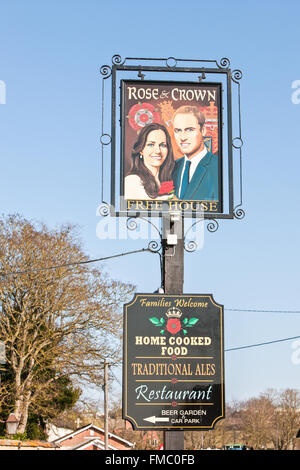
pixel 156 174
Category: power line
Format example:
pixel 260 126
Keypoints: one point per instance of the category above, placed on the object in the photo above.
pixel 260 311
pixel 116 378
pixel 75 263
pixel 262 344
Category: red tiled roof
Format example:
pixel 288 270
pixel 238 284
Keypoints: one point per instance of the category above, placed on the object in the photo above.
pixel 16 443
pixel 111 436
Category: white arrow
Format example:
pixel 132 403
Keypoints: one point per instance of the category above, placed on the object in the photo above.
pixel 155 419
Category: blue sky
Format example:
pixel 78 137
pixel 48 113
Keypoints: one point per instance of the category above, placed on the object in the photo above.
pixel 50 56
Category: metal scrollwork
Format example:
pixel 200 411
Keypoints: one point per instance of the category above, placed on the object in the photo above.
pixel 154 246
pixel 236 75
pixel 239 213
pixel 190 246
pixel 131 223
pixel 117 60
pixel 224 63
pixel 212 226
pixel 104 209
pixel 106 71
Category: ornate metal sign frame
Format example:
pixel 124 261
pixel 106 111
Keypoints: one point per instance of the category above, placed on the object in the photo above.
pixel 197 71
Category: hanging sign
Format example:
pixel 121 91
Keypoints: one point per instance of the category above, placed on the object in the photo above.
pixel 171 138
pixel 173 372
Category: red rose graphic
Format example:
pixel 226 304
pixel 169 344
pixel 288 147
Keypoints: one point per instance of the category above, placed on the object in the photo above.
pixel 173 326
pixel 166 187
pixel 142 114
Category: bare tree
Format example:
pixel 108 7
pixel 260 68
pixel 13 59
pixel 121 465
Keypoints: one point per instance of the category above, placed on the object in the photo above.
pixel 256 418
pixel 286 419
pixel 59 322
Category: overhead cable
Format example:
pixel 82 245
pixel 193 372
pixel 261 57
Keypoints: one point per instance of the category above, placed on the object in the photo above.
pixel 262 344
pixel 260 311
pixel 75 263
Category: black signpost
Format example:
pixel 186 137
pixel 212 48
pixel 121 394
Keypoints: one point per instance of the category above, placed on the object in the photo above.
pixel 173 364
pixel 173 373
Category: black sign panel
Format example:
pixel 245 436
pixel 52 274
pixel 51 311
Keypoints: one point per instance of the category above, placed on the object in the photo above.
pixel 173 368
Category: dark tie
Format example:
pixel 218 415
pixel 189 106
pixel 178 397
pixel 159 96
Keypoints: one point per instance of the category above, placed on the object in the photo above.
pixel 185 178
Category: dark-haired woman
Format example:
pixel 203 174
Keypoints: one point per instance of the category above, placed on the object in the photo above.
pixel 152 164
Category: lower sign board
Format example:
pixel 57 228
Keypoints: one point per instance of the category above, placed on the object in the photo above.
pixel 173 365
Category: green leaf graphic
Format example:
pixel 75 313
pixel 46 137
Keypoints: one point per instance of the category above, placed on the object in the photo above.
pixel 155 321
pixel 184 331
pixel 192 321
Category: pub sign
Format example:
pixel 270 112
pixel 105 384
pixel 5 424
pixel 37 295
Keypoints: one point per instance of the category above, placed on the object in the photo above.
pixel 171 140
pixel 173 366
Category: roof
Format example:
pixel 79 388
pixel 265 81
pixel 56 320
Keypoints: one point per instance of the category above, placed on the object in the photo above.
pixel 95 441
pixel 33 443
pixel 84 428
pixel 12 418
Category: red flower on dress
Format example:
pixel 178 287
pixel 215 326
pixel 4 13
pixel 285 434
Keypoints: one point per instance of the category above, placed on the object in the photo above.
pixel 166 187
pixel 173 326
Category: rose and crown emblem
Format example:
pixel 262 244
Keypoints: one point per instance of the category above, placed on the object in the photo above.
pixel 173 324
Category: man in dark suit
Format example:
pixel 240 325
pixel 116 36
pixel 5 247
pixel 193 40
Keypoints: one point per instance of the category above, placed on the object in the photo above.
pixel 195 175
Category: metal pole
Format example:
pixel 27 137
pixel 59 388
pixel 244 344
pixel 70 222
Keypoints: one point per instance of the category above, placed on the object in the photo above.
pixel 106 404
pixel 173 275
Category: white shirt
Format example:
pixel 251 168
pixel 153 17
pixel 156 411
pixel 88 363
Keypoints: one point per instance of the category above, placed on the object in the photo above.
pixel 194 163
pixel 134 189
